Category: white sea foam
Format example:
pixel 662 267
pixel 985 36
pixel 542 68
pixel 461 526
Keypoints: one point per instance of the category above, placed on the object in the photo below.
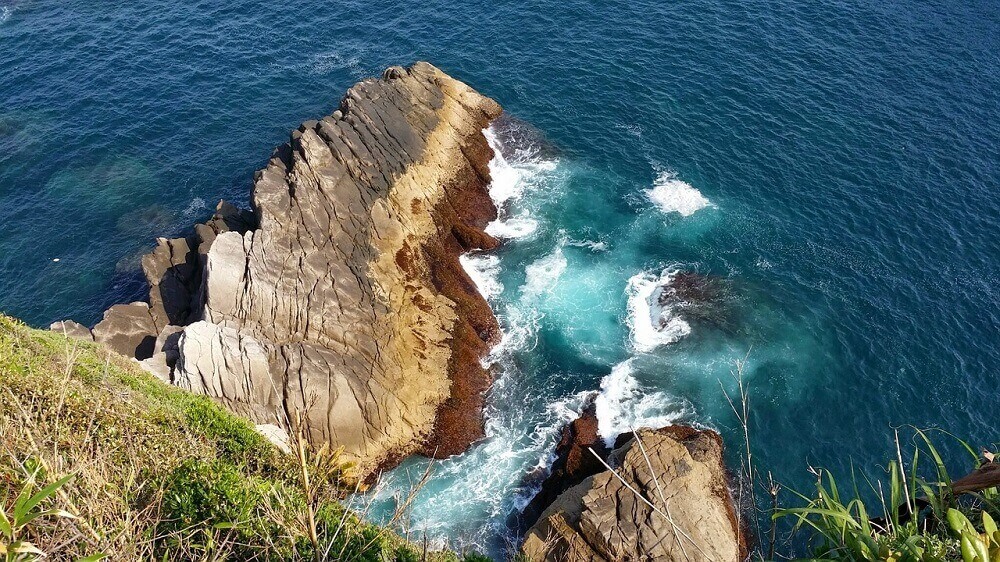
pixel 522 320
pixel 512 228
pixel 651 325
pixel 672 195
pixel 505 179
pixel 484 270
pixel 196 205
pixel 323 63
pixel 5 12
pixel 592 245
pixel 510 179
pixel 542 275
pixel 622 405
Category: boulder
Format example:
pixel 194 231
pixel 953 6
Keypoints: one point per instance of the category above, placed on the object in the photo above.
pixel 666 499
pixel 573 463
pixel 128 329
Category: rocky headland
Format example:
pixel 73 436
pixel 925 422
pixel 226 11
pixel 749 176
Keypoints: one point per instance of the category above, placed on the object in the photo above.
pixel 339 296
pixel 338 301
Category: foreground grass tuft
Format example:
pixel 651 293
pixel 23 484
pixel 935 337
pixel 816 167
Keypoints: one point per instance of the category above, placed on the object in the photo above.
pixel 129 467
pixel 921 514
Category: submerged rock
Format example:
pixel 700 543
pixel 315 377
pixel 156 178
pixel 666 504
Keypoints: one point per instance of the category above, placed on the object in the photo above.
pixel 679 471
pixel 340 296
pixel 694 297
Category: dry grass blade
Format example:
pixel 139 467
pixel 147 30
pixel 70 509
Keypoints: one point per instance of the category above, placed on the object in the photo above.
pixel 659 490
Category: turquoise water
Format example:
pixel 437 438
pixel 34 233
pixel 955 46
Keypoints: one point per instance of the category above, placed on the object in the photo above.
pixel 832 170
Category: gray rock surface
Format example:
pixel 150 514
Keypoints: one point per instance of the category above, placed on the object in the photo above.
pixel 128 329
pixel 72 329
pixel 678 507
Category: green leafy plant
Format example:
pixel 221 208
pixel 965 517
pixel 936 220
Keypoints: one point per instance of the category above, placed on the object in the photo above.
pixel 27 507
pixel 920 503
pixel 976 546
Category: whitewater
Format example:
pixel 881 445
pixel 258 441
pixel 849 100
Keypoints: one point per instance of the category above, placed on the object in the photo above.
pixel 539 284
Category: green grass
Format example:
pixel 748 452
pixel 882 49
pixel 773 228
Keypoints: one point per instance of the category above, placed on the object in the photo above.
pixel 154 472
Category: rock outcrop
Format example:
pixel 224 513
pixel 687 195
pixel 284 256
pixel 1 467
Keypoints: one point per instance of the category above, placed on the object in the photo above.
pixel 340 297
pixel 573 463
pixel 667 499
pixel 72 329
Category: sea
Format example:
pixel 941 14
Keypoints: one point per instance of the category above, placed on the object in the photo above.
pixel 801 198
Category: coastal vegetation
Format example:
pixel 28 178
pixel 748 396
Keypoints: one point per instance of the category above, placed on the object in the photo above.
pixel 915 511
pixel 927 516
pixel 99 458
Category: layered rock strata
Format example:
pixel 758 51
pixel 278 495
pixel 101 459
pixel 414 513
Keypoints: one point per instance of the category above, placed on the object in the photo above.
pixel 666 498
pixel 340 297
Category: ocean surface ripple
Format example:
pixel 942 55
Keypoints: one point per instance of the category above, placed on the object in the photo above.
pixel 817 185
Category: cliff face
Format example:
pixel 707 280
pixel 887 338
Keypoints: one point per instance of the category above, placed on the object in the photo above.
pixel 689 515
pixel 340 296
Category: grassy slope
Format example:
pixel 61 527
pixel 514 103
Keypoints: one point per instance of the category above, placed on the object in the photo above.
pixel 158 472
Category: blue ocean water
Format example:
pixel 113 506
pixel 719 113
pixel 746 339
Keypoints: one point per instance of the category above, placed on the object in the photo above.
pixel 833 170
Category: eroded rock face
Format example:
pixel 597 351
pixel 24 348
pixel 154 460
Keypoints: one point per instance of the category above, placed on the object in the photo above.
pixel 341 296
pixel 601 519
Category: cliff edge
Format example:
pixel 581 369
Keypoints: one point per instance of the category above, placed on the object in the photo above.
pixel 339 297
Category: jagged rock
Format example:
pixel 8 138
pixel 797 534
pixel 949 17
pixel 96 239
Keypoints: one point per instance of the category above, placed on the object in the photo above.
pixel 72 329
pixel 174 268
pixel 173 275
pixel 128 329
pixel 341 295
pixel 601 519
pixel 573 462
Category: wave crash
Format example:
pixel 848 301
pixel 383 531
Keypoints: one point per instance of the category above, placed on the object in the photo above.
pixel 670 194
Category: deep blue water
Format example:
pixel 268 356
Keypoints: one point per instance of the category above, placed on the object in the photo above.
pixel 847 154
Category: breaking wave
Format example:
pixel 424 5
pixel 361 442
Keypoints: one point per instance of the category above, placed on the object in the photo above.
pixel 651 324
pixel 672 195
pixel 622 405
pixel 484 269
